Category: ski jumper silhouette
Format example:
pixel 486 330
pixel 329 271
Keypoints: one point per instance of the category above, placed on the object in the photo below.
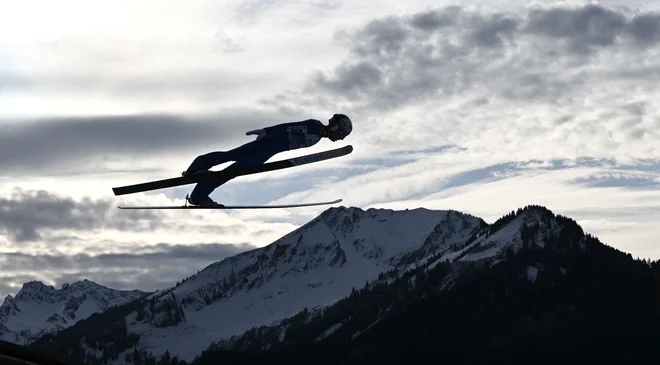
pixel 270 141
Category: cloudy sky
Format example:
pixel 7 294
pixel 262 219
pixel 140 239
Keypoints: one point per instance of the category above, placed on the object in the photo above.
pixel 478 106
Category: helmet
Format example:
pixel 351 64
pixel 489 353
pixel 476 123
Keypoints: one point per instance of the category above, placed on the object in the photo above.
pixel 342 123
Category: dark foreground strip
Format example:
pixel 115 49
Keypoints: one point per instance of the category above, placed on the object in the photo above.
pixel 12 354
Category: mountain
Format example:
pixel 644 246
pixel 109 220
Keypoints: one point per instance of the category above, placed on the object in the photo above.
pixel 38 309
pixel 531 288
pixel 382 286
pixel 487 246
pixel 313 266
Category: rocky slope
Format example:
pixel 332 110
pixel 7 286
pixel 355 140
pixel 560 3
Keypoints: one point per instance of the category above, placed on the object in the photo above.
pixel 38 309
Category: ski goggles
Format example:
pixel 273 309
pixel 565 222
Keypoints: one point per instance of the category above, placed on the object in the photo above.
pixel 336 128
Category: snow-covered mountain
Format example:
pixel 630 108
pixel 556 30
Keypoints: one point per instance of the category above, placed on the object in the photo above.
pixel 531 285
pixel 299 289
pixel 315 265
pixel 533 226
pixel 38 309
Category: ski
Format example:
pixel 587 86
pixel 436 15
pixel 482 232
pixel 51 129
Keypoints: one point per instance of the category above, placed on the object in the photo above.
pixel 270 166
pixel 230 207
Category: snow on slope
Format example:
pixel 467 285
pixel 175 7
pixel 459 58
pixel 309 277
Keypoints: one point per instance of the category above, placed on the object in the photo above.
pixel 38 309
pixel 485 246
pixel 315 265
pixel 492 242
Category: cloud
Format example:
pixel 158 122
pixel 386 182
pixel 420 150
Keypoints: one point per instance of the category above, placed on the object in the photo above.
pixel 54 145
pixel 11 284
pixel 219 54
pixel 398 60
pixel 148 268
pixel 628 180
pixel 594 26
pixel 40 221
pixel 26 214
pixel 141 257
pixel 208 85
pixel 231 45
pixel 250 12
pixel 504 85
pixel 431 174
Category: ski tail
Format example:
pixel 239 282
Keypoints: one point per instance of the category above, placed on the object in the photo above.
pixel 270 166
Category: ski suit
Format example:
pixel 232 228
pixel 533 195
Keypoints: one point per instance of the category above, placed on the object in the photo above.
pixel 278 138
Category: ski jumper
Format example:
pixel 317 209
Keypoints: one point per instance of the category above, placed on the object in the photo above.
pixel 278 138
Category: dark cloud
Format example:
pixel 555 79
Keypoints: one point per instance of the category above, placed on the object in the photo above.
pixel 384 38
pixel 11 284
pixel 128 279
pixel 402 59
pixel 159 255
pixel 56 144
pixel 494 32
pixel 584 27
pixel 432 20
pixel 622 180
pixel 353 78
pixel 28 216
pixel 149 268
pixel 594 26
pixel 645 28
pixel 25 214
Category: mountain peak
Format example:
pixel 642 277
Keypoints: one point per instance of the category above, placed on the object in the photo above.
pixel 35 290
pixel 530 225
pixel 313 265
pixel 38 308
pixel 84 285
pixel 35 285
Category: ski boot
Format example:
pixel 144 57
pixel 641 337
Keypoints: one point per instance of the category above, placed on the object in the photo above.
pixel 206 203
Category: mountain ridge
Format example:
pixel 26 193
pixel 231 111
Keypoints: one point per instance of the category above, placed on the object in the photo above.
pixel 314 265
pixel 38 308
pixel 554 294
pixel 296 267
